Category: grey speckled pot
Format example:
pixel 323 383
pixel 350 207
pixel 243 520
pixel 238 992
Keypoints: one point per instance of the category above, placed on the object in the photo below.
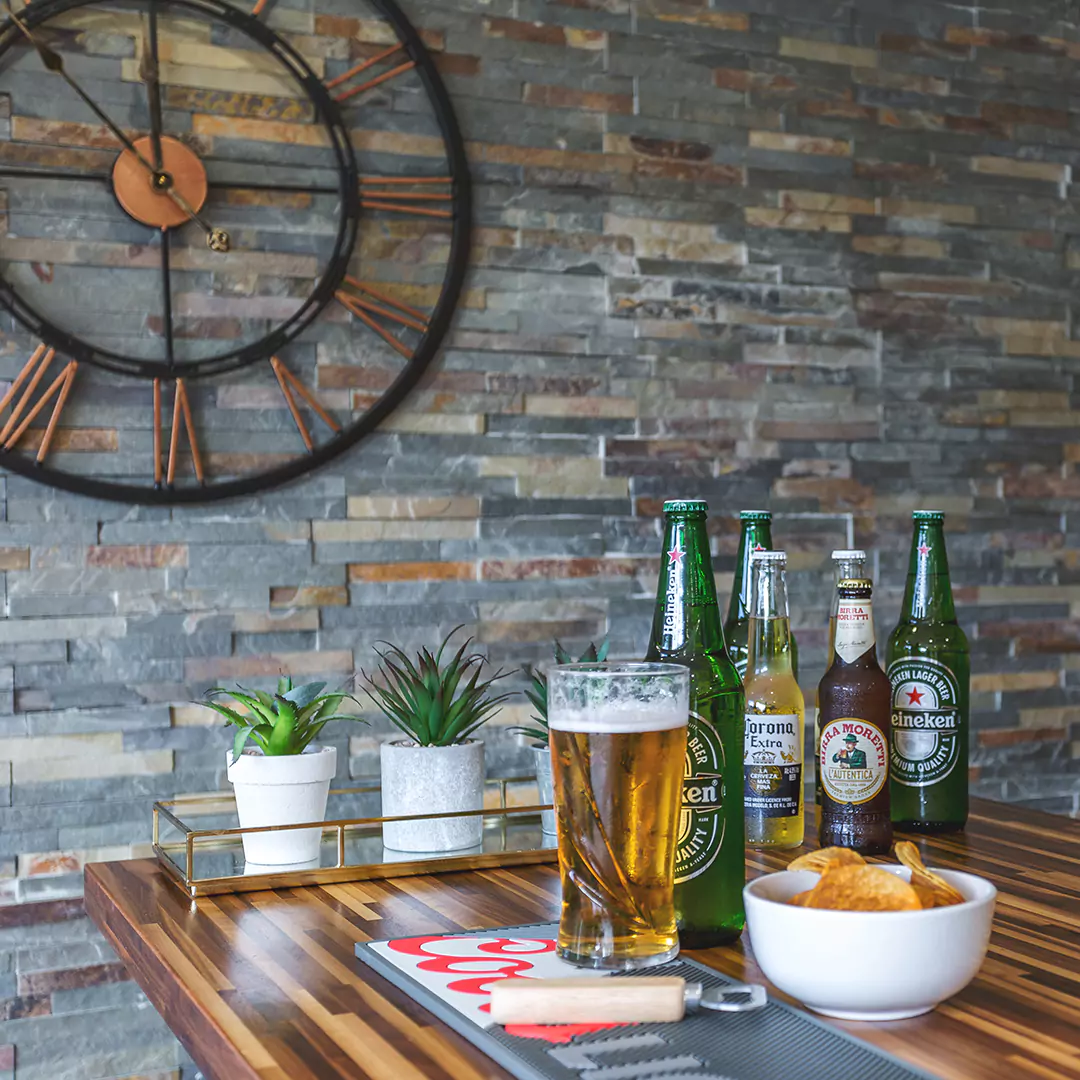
pixel 432 780
pixel 545 784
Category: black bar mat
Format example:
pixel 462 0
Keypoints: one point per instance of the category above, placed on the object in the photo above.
pixel 446 973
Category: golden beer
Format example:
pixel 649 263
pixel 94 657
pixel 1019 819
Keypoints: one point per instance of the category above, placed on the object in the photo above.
pixel 618 748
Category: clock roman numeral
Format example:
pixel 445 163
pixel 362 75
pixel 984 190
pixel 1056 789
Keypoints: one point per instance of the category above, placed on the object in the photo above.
pixel 393 193
pixel 289 382
pixel 366 65
pixel 181 411
pixel 367 302
pixel 34 370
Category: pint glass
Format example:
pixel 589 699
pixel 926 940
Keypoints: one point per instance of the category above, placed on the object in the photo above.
pixel 618 749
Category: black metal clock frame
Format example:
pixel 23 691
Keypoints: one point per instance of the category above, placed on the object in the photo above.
pixel 329 113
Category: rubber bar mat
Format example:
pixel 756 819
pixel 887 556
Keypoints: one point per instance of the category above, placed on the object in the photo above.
pixel 447 975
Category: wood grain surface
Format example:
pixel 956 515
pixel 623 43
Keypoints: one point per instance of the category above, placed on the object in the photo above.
pixel 265 986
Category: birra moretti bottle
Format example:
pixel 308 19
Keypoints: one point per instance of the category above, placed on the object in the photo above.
pixel 847 563
pixel 854 695
pixel 773 733
pixel 709 861
pixel 929 670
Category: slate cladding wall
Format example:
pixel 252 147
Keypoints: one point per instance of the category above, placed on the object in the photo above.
pixel 813 256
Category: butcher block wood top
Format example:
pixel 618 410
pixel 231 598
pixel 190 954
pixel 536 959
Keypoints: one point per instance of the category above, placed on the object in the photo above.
pixel 265 986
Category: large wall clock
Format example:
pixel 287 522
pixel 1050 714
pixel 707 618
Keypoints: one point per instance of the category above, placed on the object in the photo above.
pixel 232 239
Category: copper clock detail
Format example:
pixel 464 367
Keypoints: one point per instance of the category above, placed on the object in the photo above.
pixel 232 240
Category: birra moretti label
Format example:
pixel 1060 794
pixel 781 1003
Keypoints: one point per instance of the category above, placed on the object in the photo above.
pixel 772 769
pixel 925 721
pixel 854 629
pixel 854 759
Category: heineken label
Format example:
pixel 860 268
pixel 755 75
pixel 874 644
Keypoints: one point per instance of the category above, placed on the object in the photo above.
pixel 772 766
pixel 926 729
pixel 854 629
pixel 854 759
pixel 701 817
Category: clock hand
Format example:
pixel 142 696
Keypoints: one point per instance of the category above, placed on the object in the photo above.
pixel 149 71
pixel 216 239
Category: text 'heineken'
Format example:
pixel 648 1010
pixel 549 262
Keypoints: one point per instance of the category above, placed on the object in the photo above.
pixel 755 534
pixel 854 752
pixel 773 735
pixel 709 867
pixel 929 670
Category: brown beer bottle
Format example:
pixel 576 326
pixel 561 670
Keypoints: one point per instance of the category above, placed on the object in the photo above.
pixel 855 705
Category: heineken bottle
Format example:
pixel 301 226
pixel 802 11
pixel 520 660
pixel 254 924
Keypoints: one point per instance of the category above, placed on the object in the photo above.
pixel 929 671
pixel 756 535
pixel 709 861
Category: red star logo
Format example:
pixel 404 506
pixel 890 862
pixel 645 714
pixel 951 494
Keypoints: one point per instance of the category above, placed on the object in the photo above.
pixel 676 554
pixel 923 549
pixel 914 697
pixel 758 547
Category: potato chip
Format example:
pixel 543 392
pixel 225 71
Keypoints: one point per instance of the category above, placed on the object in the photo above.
pixel 800 899
pixel 826 859
pixel 927 896
pixel 926 882
pixel 862 888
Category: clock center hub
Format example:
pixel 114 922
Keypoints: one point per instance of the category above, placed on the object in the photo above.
pixel 144 195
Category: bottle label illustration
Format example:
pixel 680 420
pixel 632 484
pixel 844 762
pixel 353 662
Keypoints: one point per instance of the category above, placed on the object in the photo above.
pixel 772 770
pixel 925 721
pixel 701 819
pixel 854 759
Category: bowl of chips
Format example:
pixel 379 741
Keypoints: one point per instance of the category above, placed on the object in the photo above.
pixel 869 941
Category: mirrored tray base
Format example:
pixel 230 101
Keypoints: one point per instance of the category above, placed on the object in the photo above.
pixel 198 841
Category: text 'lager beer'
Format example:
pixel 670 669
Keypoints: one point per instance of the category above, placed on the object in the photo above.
pixel 846 564
pixel 709 867
pixel 855 697
pixel 929 669
pixel 773 735
pixel 755 535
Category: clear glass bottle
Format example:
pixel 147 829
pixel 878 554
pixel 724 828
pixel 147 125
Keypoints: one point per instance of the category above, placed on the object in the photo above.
pixel 850 564
pixel 773 731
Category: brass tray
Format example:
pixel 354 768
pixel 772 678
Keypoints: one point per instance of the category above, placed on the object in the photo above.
pixel 199 844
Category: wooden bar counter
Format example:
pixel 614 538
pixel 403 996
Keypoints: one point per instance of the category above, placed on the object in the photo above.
pixel 265 986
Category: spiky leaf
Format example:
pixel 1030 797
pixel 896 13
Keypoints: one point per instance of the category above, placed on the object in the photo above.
pixel 436 701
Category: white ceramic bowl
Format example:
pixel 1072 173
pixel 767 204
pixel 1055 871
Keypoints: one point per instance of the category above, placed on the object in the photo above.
pixel 868 965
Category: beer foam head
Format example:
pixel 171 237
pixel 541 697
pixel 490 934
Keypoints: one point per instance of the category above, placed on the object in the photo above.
pixel 618 698
pixel 619 718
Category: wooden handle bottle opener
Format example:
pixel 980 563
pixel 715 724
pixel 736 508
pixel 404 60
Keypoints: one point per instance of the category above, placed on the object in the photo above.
pixel 585 1000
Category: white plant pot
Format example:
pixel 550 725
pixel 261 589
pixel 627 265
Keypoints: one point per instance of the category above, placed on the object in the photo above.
pixel 545 784
pixel 282 791
pixel 432 780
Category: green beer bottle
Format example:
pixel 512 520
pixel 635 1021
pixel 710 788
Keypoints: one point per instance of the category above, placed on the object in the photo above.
pixel 756 535
pixel 709 862
pixel 929 670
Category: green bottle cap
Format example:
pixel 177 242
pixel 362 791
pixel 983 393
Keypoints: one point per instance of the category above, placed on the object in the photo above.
pixel 928 515
pixel 755 515
pixel 686 506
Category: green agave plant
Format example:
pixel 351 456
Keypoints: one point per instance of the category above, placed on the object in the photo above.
pixel 434 703
pixel 537 689
pixel 281 724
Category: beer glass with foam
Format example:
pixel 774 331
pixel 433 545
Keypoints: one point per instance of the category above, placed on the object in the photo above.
pixel 618 750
